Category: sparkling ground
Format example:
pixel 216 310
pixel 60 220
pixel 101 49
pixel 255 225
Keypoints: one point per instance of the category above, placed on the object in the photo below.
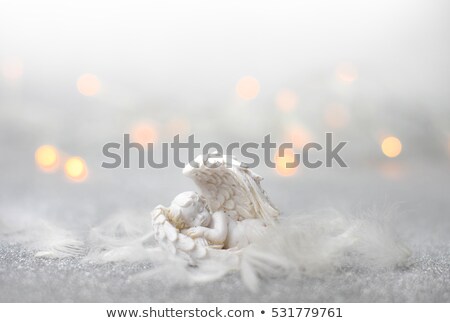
pixel 27 279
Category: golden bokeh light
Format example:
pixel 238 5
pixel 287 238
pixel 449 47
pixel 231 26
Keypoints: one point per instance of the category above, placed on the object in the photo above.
pixel 88 84
pixel 75 169
pixel 178 126
pixel 247 88
pixel 346 73
pixel 282 162
pixel 298 136
pixel 144 133
pixel 391 169
pixel 12 69
pixel 336 116
pixel 286 100
pixel 47 158
pixel 391 146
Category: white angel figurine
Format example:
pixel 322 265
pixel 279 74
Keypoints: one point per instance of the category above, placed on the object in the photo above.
pixel 231 212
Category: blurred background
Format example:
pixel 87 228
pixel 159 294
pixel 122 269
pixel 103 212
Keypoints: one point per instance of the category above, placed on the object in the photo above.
pixel 76 75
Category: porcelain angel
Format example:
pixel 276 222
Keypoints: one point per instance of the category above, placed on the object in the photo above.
pixel 230 212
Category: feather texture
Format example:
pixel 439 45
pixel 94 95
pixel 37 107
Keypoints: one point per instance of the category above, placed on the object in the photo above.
pixel 231 188
pixel 175 242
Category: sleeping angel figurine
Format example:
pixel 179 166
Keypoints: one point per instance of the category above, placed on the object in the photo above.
pixel 230 212
pixel 230 224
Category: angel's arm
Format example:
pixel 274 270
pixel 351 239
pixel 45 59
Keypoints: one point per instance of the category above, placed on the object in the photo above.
pixel 217 231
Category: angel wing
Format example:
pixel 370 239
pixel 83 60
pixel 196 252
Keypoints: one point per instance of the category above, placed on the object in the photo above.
pixel 230 187
pixel 171 239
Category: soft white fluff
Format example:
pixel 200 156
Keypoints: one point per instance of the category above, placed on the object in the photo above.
pixel 47 239
pixel 319 244
pixel 124 237
pixel 313 245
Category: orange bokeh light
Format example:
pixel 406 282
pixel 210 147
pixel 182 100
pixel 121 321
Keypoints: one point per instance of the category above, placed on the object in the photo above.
pixel 391 169
pixel 178 126
pixel 88 84
pixel 247 88
pixel 281 163
pixel 12 69
pixel 47 158
pixel 298 136
pixel 346 73
pixel 336 116
pixel 391 146
pixel 144 133
pixel 75 169
pixel 286 100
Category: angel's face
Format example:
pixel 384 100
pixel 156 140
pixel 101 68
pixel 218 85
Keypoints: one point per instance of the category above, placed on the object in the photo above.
pixel 196 214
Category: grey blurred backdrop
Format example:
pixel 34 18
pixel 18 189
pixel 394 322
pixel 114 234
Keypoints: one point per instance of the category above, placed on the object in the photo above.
pixel 76 75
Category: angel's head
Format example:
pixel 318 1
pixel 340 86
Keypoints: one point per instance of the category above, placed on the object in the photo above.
pixel 189 209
